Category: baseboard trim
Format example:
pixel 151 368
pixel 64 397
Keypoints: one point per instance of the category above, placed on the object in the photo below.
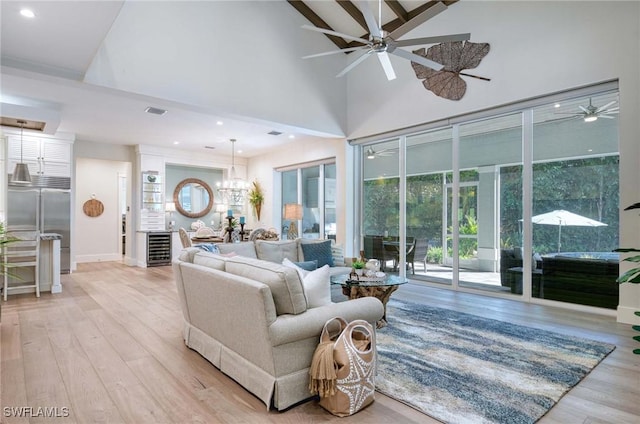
pixel 626 315
pixel 109 257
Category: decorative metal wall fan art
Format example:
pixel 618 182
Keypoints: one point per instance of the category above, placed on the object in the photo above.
pixel 455 57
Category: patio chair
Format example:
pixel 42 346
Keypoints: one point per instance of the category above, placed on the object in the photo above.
pixel 420 253
pixel 374 249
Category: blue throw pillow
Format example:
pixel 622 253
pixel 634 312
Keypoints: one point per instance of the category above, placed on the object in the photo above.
pixel 208 247
pixel 308 265
pixel 318 251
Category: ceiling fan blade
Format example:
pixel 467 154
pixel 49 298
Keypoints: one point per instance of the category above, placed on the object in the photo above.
pixel 354 63
pixel 606 116
pixel 374 30
pixel 433 40
pixel 337 34
pixel 350 49
pixel 386 65
pixel 418 59
pixel 601 108
pixel 418 20
pixel 584 109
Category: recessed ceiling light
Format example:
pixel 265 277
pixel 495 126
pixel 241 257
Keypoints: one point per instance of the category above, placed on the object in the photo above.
pixel 239 151
pixel 176 142
pixel 219 123
pixel 557 105
pixel 292 136
pixel 27 13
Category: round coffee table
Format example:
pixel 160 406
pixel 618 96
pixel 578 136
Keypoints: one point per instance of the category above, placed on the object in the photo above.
pixel 380 289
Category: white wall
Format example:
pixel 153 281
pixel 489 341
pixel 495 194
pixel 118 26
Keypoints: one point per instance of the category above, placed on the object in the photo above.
pixel 96 239
pixel 235 58
pixel 262 168
pixel 537 48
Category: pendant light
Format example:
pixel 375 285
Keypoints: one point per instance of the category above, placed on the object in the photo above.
pixel 234 189
pixel 21 172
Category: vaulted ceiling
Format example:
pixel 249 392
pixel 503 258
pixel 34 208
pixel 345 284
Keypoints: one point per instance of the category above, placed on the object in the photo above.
pixel 44 61
pixel 344 16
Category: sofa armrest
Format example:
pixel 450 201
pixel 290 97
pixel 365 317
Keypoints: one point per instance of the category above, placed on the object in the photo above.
pixel 290 328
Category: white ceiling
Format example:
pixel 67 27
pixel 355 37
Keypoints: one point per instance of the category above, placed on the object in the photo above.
pixel 45 58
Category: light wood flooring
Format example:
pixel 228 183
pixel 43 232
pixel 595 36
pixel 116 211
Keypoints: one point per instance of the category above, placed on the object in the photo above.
pixel 110 349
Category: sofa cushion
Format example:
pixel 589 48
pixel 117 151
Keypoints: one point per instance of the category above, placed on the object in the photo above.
pixel 210 260
pixel 319 250
pixel 246 249
pixel 284 282
pixel 276 251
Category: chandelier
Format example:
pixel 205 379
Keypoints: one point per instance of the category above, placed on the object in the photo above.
pixel 234 189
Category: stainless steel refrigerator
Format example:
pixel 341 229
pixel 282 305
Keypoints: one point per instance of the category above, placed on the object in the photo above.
pixel 45 206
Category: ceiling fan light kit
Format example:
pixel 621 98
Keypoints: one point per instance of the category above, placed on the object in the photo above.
pixel 591 113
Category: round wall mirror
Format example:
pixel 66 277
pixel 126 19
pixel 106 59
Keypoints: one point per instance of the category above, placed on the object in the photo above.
pixel 193 198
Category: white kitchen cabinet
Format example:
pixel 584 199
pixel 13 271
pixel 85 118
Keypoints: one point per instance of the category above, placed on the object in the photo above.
pixel 44 156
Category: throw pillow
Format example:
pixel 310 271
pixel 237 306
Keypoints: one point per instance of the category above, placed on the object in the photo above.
pixel 208 247
pixel 302 270
pixel 317 287
pixel 307 265
pixel 337 252
pixel 319 251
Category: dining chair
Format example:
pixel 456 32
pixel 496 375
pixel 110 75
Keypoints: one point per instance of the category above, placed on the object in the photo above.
pixel 184 238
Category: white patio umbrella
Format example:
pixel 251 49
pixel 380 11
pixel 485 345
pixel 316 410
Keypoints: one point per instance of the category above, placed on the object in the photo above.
pixel 562 218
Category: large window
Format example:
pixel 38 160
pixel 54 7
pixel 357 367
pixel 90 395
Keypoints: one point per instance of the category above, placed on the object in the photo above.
pixel 523 203
pixel 309 201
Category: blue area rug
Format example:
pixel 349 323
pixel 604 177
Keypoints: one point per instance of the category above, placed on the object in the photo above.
pixel 461 368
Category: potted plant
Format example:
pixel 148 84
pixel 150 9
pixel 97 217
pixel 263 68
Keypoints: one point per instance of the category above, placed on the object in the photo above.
pixel 256 198
pixel 633 275
pixel 358 266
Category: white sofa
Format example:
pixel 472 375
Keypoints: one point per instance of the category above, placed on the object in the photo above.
pixel 294 250
pixel 249 318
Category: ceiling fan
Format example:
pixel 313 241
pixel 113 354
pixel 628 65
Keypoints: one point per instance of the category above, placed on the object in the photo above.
pixel 380 43
pixel 591 113
pixel 372 154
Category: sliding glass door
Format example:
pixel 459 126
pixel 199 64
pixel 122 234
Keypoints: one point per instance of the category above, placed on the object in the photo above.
pixel 575 205
pixel 523 203
pixel 381 204
pixel 428 161
pixel 485 147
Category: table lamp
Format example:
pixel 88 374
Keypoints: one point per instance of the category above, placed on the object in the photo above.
pixel 293 213
pixel 171 208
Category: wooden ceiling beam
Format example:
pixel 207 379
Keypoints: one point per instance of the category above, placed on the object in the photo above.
pixel 317 21
pixel 355 13
pixel 397 8
pixel 391 26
